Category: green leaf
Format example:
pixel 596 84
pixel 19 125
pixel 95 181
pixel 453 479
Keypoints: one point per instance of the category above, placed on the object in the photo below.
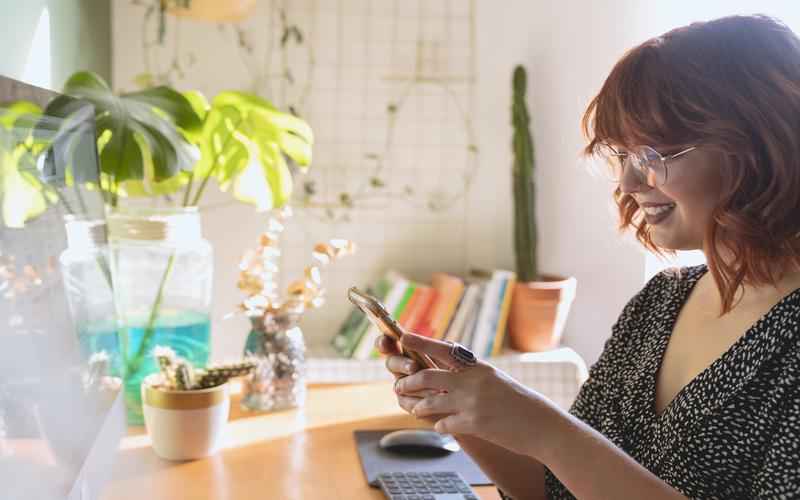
pixel 140 124
pixel 244 145
pixel 22 198
pixel 176 106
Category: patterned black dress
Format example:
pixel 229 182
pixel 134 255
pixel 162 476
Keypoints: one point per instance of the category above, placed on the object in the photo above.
pixel 732 432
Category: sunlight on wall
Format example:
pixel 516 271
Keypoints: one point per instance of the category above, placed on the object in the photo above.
pixel 669 15
pixel 38 69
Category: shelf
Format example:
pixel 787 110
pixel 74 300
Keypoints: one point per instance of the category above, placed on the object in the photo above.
pixel 557 374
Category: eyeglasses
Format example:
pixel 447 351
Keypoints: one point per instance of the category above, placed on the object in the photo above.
pixel 649 166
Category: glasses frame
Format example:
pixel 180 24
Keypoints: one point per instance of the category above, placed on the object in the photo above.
pixel 664 159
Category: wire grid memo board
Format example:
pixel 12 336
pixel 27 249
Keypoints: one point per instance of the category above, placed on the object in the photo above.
pixel 388 87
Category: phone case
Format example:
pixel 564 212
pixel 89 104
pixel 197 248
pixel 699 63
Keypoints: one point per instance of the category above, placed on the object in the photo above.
pixel 378 315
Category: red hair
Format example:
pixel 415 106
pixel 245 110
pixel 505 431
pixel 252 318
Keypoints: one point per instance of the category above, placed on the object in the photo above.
pixel 732 87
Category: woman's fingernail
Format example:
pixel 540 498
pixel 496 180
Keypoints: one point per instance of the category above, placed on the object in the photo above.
pixel 408 366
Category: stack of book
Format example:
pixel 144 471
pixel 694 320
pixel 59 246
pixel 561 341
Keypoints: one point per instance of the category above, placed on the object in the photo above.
pixel 472 311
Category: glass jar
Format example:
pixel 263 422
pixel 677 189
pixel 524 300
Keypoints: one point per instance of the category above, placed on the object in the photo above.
pixel 162 269
pixel 279 380
pixel 87 281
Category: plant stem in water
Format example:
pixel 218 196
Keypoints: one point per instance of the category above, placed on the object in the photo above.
pixel 133 365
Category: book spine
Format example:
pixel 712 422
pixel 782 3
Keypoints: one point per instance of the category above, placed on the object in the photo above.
pixel 349 334
pixel 468 335
pixel 497 348
pixel 456 329
pixel 421 321
pixel 484 326
pixel 451 289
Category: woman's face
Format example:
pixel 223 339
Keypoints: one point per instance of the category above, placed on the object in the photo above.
pixel 678 212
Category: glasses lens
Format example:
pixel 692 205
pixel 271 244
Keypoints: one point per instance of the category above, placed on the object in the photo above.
pixel 649 166
pixel 609 163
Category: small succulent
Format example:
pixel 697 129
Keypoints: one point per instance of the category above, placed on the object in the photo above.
pixel 177 374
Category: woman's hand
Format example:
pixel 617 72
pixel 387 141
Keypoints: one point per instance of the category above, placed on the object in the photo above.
pixel 480 401
pixel 400 366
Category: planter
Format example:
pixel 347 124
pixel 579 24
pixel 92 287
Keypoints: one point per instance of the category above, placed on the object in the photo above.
pixel 539 311
pixel 185 425
pixel 162 270
pixel 215 10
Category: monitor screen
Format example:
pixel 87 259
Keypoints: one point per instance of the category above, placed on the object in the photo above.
pixel 60 412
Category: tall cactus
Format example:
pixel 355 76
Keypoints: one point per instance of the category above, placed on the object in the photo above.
pixel 523 184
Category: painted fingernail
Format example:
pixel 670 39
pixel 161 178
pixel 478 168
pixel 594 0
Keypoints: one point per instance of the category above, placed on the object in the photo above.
pixel 408 366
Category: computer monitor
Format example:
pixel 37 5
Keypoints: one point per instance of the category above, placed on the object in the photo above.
pixel 60 424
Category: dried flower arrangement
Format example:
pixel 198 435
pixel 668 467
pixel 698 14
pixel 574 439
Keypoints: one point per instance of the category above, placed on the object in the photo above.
pixel 268 310
pixel 177 374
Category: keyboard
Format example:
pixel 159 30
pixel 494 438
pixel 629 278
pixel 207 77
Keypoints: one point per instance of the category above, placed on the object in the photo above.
pixel 425 486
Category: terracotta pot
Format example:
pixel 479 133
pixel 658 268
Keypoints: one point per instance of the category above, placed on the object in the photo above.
pixel 216 10
pixel 539 310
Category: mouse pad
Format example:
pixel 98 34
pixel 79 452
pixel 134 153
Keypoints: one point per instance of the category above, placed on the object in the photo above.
pixel 376 460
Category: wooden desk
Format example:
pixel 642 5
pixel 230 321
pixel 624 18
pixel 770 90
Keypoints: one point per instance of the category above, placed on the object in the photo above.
pixel 296 454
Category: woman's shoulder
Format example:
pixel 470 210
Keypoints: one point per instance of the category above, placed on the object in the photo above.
pixel 669 286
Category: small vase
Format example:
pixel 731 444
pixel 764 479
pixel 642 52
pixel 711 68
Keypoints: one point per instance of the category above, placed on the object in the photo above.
pixel 279 380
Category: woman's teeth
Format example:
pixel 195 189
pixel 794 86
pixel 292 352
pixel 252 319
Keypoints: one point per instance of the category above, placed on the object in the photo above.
pixel 660 209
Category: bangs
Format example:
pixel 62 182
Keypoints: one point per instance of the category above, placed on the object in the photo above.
pixel 631 108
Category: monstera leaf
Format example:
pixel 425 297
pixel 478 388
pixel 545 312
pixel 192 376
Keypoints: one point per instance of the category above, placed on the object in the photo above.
pixel 21 196
pixel 142 136
pixel 245 143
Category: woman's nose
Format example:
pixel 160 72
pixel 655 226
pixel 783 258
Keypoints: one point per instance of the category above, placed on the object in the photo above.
pixel 631 181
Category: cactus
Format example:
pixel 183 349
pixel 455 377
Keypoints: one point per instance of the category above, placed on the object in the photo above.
pixel 523 184
pixel 184 378
pixel 178 374
pixel 217 375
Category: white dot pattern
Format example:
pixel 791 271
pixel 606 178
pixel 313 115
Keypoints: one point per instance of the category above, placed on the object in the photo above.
pixel 733 432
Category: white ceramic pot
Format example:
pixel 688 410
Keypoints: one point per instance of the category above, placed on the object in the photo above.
pixel 185 425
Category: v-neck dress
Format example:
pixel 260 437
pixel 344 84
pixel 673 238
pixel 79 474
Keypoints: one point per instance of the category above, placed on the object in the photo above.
pixel 732 432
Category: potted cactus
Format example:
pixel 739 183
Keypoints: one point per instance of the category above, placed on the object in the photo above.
pixel 185 409
pixel 540 302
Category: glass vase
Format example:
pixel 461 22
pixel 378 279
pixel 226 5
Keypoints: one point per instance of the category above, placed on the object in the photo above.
pixel 162 269
pixel 279 380
pixel 87 282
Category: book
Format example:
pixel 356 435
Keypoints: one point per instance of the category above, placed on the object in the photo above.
pixel 419 318
pixel 500 333
pixel 456 328
pixel 408 306
pixel 395 286
pixel 449 291
pixel 468 334
pixel 506 291
pixel 349 334
pixel 490 307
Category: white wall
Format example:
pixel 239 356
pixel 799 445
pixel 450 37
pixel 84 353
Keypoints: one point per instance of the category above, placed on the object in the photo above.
pixel 568 49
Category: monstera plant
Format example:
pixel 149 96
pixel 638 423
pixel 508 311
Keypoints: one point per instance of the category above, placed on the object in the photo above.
pixel 159 141
pixel 156 143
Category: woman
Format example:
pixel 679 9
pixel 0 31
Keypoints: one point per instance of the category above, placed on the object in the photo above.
pixel 696 393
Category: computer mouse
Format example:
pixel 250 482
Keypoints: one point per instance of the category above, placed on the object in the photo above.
pixel 419 441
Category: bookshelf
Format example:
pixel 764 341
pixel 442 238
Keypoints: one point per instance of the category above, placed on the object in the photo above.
pixel 557 374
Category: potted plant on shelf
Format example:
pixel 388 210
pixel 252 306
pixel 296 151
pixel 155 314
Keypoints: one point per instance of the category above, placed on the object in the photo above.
pixel 540 303
pixel 159 149
pixel 185 409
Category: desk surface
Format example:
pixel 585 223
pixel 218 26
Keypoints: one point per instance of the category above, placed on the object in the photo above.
pixel 296 454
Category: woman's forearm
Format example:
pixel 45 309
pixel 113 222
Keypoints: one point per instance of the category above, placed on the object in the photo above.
pixel 519 476
pixel 592 467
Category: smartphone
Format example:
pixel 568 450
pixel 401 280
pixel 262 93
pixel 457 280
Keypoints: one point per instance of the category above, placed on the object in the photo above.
pixel 381 318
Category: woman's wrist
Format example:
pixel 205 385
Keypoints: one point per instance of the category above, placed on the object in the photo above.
pixel 552 426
